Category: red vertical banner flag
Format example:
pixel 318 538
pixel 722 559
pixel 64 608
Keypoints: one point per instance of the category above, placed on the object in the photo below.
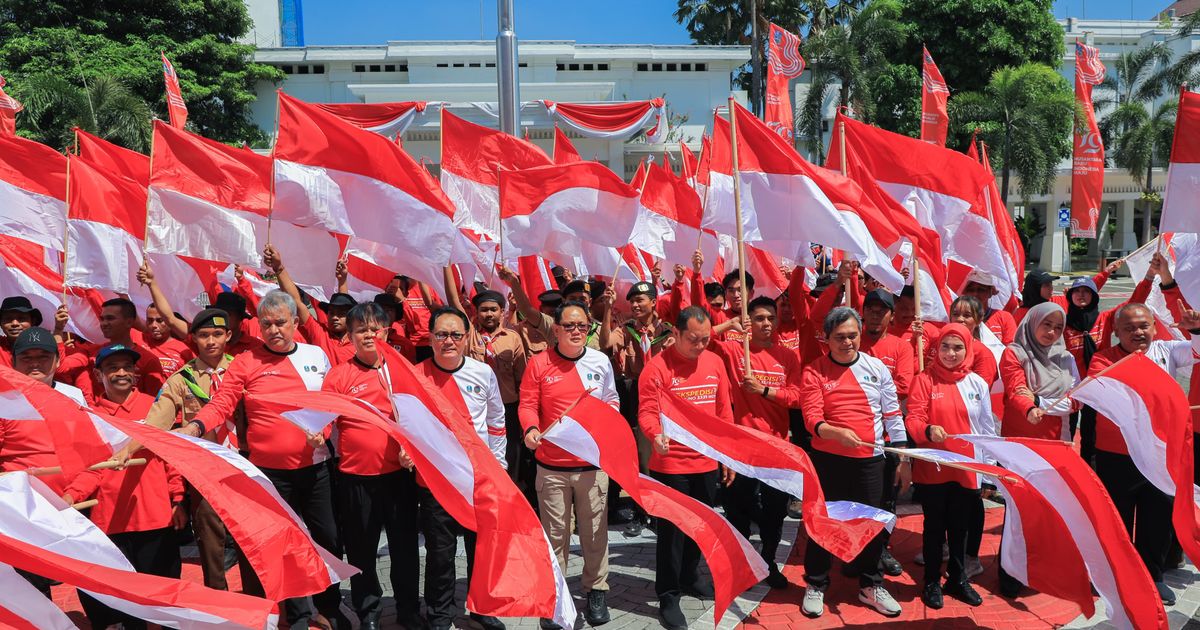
pixel 1087 165
pixel 783 52
pixel 935 122
pixel 175 105
pixel 9 107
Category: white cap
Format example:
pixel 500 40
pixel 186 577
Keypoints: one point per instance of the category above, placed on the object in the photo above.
pixel 979 277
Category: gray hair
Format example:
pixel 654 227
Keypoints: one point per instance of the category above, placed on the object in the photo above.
pixel 839 316
pixel 1125 309
pixel 276 300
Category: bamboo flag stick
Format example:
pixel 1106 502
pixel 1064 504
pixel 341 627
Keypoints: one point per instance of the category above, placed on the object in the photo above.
pixel 842 148
pixel 908 453
pixel 917 297
pixel 741 243
pixel 83 505
pixel 1080 384
pixel 105 465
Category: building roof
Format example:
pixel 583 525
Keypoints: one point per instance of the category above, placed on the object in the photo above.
pixel 487 49
pixel 1182 8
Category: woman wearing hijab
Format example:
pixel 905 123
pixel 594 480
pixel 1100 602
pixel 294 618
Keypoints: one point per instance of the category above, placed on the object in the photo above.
pixel 1082 336
pixel 1037 371
pixel 947 399
pixel 1038 288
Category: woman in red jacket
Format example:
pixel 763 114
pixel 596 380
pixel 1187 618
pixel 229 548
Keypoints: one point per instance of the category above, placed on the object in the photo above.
pixel 947 399
pixel 1037 371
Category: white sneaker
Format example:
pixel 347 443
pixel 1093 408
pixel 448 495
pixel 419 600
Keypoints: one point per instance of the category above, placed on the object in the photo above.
pixel 973 567
pixel 814 601
pixel 878 598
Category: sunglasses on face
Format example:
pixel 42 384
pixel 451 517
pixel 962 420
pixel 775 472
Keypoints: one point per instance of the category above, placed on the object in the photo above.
pixel 580 326
pixel 442 336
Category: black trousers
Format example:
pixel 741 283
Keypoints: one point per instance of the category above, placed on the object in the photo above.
pixel 975 526
pixel 155 552
pixel 800 435
pixel 677 558
pixel 1086 419
pixel 748 500
pixel 1137 500
pixel 374 504
pixel 309 492
pixel 522 468
pixel 848 479
pixel 441 533
pixel 947 508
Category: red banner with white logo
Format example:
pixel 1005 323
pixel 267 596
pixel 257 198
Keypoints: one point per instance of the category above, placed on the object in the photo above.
pixel 935 122
pixel 1087 172
pixel 783 53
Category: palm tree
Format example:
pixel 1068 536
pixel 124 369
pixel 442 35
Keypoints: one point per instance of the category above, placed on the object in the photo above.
pixel 1028 113
pixel 104 107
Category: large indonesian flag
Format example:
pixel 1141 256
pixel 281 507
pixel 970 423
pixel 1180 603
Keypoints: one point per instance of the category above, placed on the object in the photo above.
pixel 788 203
pixel 333 175
pixel 612 121
pixel 36 272
pixel 33 189
pixel 386 119
pixel 472 157
pixel 935 122
pixel 106 224
pixel 550 210
pixel 1087 162
pixel 1152 412
pixel 1180 212
pixel 212 201
pixel 948 191
pixel 672 198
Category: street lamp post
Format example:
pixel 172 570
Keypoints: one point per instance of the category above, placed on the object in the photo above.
pixel 506 70
pixel 1064 210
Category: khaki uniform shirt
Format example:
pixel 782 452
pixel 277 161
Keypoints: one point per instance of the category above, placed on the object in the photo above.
pixel 504 351
pixel 177 400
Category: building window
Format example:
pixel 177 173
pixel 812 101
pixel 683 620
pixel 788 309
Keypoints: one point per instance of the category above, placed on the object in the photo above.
pixel 573 67
pixel 656 67
pixel 686 67
pixel 443 65
pixel 403 67
pixel 589 66
pixel 560 67
pixel 287 69
pixel 672 67
pixel 375 68
pixel 319 69
pixel 490 64
pixel 473 65
pixel 643 67
pixel 701 67
pixel 460 65
pixel 602 66
pixel 391 67
pixel 522 65
pixel 302 69
pixel 360 68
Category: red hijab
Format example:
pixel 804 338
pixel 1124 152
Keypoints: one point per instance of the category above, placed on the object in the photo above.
pixel 958 373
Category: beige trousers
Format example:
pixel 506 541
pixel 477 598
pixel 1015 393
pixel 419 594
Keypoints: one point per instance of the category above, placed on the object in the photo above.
pixel 584 495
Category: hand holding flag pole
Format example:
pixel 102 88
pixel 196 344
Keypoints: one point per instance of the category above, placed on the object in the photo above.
pixel 538 439
pixel 105 465
pixel 741 243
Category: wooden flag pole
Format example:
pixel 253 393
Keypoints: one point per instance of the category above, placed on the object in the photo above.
pixel 741 243
pixel 105 465
pixel 83 505
pixel 147 224
pixel 908 453
pixel 845 173
pixel 67 234
pixel 916 267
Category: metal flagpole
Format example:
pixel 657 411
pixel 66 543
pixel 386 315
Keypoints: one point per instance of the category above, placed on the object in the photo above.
pixel 506 69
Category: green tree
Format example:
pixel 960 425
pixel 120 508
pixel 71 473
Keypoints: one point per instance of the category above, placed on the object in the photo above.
pixel 81 41
pixel 1027 113
pixel 105 107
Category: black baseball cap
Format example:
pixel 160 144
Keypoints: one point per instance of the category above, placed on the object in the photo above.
pixel 114 349
pixel 824 281
pixel 21 304
pixel 231 303
pixel 339 299
pixel 210 318
pixel 881 296
pixel 577 286
pixel 641 288
pixel 34 338
pixel 488 296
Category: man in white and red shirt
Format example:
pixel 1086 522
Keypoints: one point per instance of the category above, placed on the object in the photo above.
pixel 686 369
pixel 761 402
pixel 298 465
pixel 474 391
pixel 849 402
pixel 554 381
pixel 377 486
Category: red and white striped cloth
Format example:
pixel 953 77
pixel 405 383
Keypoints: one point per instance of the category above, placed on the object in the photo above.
pixel 33 189
pixel 176 107
pixel 386 119
pixel 612 121
pixel 1179 213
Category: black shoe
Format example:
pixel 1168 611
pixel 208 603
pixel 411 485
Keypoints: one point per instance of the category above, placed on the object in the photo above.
pixel 410 621
pixel 700 589
pixel 597 608
pixel 963 592
pixel 672 617
pixel 633 528
pixel 338 620
pixel 440 625
pixel 933 596
pixel 487 622
pixel 1010 587
pixel 546 624
pixel 620 516
pixel 775 578
pixel 371 622
pixel 889 564
pixel 1165 592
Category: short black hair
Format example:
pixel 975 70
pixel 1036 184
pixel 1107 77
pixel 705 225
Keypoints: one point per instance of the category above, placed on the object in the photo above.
pixel 365 313
pixel 689 314
pixel 972 302
pixel 762 301
pixel 128 310
pixel 736 275
pixel 558 312
pixel 713 290
pixel 448 310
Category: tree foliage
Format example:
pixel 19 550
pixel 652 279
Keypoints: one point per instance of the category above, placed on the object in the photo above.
pixel 106 108
pixel 85 41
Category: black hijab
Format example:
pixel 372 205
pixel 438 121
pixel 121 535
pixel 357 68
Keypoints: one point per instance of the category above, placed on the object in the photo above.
pixel 1084 319
pixel 1031 292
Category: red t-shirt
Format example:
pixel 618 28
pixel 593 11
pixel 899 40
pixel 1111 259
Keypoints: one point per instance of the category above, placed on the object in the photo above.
pixel 553 383
pixel 363 448
pixel 775 367
pixel 170 352
pixel 701 382
pixel 960 407
pixel 77 368
pixel 339 351
pixel 1002 325
pixel 897 355
pixel 26 444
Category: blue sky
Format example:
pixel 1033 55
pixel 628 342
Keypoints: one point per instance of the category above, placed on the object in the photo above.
pixel 586 21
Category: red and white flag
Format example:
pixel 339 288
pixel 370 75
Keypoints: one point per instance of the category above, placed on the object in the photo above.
pixel 673 199
pixel 564 150
pixel 1151 410
pixel 33 189
pixel 386 119
pixel 537 275
pixel 947 191
pixel 9 107
pixel 1117 572
pixel 690 165
pixel 332 175
pixel 1006 230
pixel 843 528
pixel 786 202
pixel 516 574
pixel 551 210
pixel 1087 162
pixel 112 158
pixel 1186 248
pixel 44 536
pixel 212 201
pixel 612 121
pixel 175 105
pixel 25 608
pixel 472 158
pixel 784 64
pixel 597 434
pixel 1179 213
pixel 106 225
pixel 36 272
pixel 935 121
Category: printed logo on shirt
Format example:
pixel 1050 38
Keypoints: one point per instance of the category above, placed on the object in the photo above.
pixel 593 377
pixel 312 368
pixel 974 396
pixel 871 378
pixel 473 389
pixel 357 388
pixel 936 395
pixel 552 379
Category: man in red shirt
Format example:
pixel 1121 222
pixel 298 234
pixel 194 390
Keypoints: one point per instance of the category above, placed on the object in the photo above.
pixel 297 465
pixel 139 507
pixel 117 317
pixel 688 370
pixel 761 402
pixel 376 483
pixel 16 315
pixel 849 402
pixel 242 332
pixel 170 352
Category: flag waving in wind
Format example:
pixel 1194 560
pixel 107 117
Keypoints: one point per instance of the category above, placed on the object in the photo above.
pixel 1179 213
pixel 9 107
pixel 935 122
pixel 783 51
pixel 175 105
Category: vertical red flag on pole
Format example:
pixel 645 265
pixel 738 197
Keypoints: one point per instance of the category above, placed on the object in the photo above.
pixel 783 50
pixel 9 107
pixel 935 122
pixel 1087 165
pixel 175 105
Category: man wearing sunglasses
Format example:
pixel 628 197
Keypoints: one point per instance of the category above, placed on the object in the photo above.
pixel 554 380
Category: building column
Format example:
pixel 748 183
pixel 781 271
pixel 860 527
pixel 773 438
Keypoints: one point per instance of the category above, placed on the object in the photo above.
pixel 616 157
pixel 1124 238
pixel 1055 243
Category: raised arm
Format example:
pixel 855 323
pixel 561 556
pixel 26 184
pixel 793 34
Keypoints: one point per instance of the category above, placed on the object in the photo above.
pixel 524 306
pixel 145 275
pixel 274 260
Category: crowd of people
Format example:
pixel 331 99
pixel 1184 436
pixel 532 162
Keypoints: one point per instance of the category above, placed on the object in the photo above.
pixel 842 368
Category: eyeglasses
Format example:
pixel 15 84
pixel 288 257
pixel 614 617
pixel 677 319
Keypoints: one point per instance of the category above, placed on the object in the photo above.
pixel 443 335
pixel 578 326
